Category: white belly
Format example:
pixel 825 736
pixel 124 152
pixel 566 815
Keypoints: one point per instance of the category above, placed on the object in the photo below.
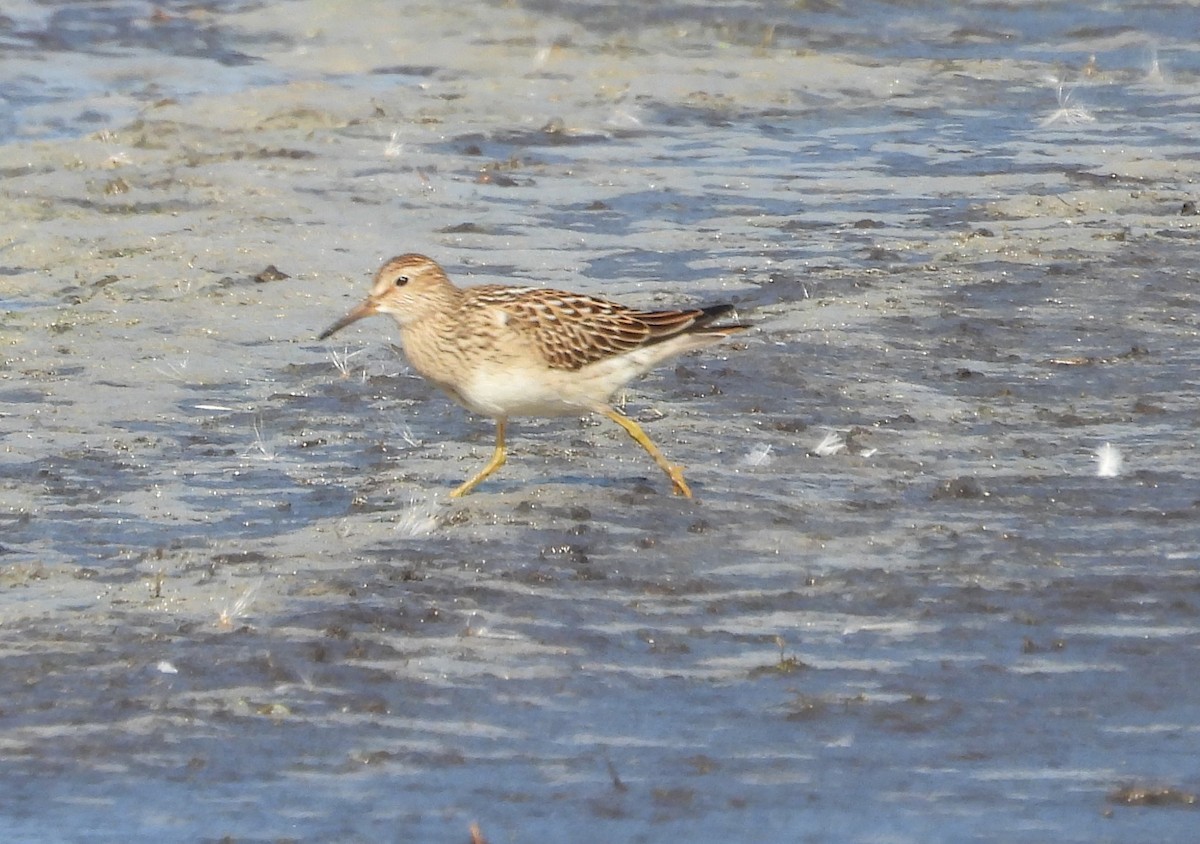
pixel 517 393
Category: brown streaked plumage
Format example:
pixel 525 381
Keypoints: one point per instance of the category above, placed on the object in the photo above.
pixel 524 351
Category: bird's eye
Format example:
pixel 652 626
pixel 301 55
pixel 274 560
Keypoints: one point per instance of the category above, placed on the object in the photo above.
pixel 401 280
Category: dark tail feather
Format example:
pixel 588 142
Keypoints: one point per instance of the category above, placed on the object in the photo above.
pixel 713 313
pixel 664 325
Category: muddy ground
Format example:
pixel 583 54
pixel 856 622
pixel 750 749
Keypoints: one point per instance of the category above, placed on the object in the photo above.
pixel 904 604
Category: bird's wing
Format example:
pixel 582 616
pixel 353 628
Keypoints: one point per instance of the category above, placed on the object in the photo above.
pixel 571 330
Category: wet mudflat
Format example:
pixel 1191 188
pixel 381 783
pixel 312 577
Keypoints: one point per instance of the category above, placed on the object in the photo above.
pixel 905 604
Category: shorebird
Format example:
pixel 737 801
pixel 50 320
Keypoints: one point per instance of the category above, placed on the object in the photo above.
pixel 504 351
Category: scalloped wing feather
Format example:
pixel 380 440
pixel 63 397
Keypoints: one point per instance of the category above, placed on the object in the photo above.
pixel 572 330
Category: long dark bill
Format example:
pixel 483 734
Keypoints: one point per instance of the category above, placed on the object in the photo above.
pixel 366 309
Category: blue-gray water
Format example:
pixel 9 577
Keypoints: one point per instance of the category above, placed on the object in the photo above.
pixel 237 604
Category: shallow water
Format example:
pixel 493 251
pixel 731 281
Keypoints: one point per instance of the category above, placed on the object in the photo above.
pixel 237 601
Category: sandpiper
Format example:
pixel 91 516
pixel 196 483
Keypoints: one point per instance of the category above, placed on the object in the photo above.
pixel 503 351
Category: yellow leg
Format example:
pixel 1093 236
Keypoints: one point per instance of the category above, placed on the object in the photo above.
pixel 498 457
pixel 675 473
